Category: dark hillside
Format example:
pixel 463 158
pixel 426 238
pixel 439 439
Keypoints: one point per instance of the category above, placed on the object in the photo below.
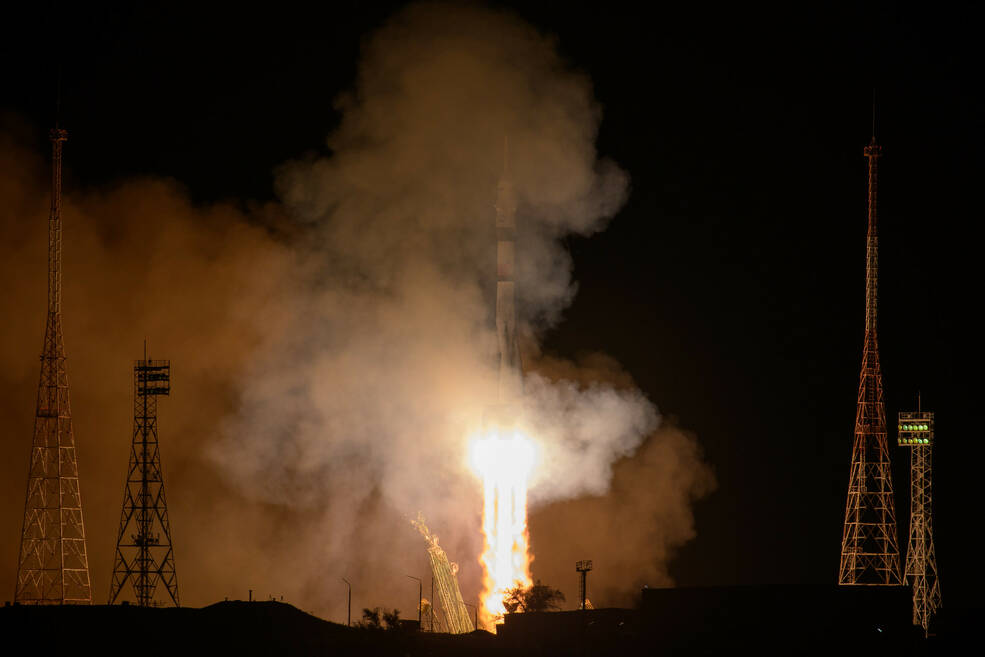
pixel 225 628
pixel 767 620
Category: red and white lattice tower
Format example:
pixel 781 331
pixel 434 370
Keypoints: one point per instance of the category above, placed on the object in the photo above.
pixel 53 567
pixel 869 544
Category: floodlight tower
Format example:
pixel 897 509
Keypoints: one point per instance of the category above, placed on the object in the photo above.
pixel 869 545
pixel 53 567
pixel 916 432
pixel 144 552
pixel 582 567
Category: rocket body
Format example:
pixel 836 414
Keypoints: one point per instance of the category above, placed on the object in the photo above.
pixel 510 381
pixel 503 456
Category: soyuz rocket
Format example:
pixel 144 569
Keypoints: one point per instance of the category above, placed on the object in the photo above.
pixel 510 368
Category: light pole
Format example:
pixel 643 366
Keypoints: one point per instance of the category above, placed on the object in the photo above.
pixel 420 594
pixel 475 611
pixel 348 605
pixel 583 567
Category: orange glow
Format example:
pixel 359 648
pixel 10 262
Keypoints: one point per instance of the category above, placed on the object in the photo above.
pixel 504 461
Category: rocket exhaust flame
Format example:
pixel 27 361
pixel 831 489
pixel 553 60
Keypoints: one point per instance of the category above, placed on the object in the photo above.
pixel 504 459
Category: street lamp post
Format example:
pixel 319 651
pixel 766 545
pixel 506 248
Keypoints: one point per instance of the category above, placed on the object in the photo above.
pixel 348 605
pixel 420 594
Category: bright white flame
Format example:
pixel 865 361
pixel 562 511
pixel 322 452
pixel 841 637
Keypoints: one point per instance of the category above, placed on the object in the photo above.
pixel 504 461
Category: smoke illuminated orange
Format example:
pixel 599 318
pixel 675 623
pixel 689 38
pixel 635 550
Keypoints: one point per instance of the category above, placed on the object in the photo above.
pixel 504 461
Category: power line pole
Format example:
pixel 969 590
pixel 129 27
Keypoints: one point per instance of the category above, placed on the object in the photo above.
pixel 144 551
pixel 348 604
pixel 420 596
pixel 53 567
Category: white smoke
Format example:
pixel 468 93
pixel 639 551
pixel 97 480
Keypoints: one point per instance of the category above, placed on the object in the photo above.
pixel 582 430
pixel 389 357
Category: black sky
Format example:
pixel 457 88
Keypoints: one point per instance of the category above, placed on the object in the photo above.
pixel 731 284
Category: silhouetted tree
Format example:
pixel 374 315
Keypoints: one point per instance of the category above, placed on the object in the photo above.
pixel 380 618
pixel 392 619
pixel 538 597
pixel 371 619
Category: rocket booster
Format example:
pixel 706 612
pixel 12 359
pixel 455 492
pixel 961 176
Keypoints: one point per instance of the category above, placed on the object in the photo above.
pixel 510 373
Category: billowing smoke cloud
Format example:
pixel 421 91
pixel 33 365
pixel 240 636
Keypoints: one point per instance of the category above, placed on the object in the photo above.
pixel 631 526
pixel 333 353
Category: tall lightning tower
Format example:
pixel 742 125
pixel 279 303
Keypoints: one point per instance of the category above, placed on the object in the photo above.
pixel 916 432
pixel 869 546
pixel 53 567
pixel 144 553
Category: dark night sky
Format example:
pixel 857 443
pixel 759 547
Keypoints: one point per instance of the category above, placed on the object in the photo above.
pixel 731 284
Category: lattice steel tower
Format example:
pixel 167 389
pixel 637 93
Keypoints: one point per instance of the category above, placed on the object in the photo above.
pixel 144 553
pixel 53 567
pixel 916 432
pixel 869 544
pixel 456 616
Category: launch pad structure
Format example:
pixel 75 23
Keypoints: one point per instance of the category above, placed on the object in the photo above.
pixel 916 433
pixel 455 615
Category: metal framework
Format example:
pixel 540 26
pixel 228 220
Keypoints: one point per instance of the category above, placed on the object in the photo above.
pixel 869 544
pixel 916 432
pixel 583 567
pixel 53 567
pixel 431 622
pixel 144 552
pixel 455 616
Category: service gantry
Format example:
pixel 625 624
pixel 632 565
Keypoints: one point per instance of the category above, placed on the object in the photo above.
pixel 916 433
pixel 869 544
pixel 144 552
pixel 455 615
pixel 53 567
